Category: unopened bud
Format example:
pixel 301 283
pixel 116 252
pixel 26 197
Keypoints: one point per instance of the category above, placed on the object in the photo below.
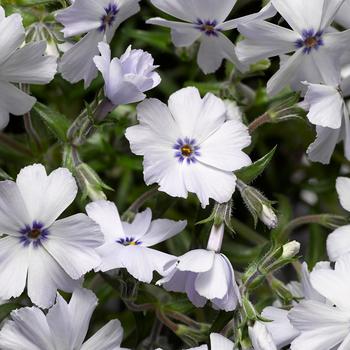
pixel 290 249
pixel 268 217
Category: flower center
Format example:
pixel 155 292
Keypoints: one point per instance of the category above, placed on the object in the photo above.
pixel 310 40
pixel 128 241
pixel 34 234
pixel 186 149
pixel 109 17
pixel 207 27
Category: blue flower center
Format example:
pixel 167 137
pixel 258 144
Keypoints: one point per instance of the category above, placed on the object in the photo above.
pixel 186 149
pixel 207 27
pixel 108 19
pixel 34 234
pixel 310 40
pixel 128 241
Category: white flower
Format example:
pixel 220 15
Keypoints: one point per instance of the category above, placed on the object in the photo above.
pixel 318 50
pixel 26 64
pixel 204 20
pixel 126 79
pixel 280 329
pixel 325 326
pixel 189 146
pixel 64 327
pixel 39 251
pixel 338 242
pixel 260 337
pixel 329 112
pixel 128 245
pixel 99 19
pixel 203 275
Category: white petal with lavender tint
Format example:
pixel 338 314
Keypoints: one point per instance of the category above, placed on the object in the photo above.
pixel 11 35
pixel 77 63
pixel 81 17
pixel 161 230
pixel 14 101
pixel 338 243
pixel 28 331
pixel 73 242
pixel 264 40
pixel 260 337
pixel 181 9
pixel 14 258
pixel 219 342
pixel 325 105
pixel 342 16
pixel 46 197
pixel 343 190
pixel 198 260
pixel 139 226
pixel 45 277
pixel 106 214
pixel 29 65
pixel 112 256
pixel 108 337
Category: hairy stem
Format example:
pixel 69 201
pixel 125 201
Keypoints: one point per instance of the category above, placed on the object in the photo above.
pixel 14 145
pixel 263 119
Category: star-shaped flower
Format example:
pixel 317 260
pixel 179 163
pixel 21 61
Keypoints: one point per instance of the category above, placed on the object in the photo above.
pixel 189 145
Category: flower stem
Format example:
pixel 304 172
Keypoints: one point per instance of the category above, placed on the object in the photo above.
pixel 247 233
pixel 14 145
pixel 166 321
pixel 263 119
pixel 31 131
pixel 138 203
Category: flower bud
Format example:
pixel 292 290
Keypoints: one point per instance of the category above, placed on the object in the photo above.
pixel 268 217
pixel 290 249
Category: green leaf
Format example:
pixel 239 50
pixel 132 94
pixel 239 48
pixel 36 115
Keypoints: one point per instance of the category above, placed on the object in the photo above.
pixel 56 122
pixel 249 173
pixel 4 175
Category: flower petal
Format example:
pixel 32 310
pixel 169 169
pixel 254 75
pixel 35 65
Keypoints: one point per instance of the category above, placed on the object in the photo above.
pixel 28 331
pixel 181 9
pixel 326 106
pixel 208 182
pixel 112 255
pixel 106 214
pixel 139 226
pixel 198 260
pixel 219 342
pixel 77 63
pixel 46 197
pixel 45 276
pixel 343 190
pixel 222 149
pixel 263 40
pixel 338 242
pixel 73 242
pixel 29 65
pixel 108 337
pixel 14 258
pixel 161 230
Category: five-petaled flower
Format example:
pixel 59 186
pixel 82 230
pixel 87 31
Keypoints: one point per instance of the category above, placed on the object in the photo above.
pixel 128 245
pixel 189 145
pixel 37 250
pixel 99 19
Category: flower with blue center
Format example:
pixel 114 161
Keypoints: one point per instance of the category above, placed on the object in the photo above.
pixel 205 21
pixel 316 49
pixel 190 145
pixel 99 19
pixel 36 249
pixel 63 327
pixel 128 245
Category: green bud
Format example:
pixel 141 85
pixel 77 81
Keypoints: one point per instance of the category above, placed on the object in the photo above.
pixel 192 336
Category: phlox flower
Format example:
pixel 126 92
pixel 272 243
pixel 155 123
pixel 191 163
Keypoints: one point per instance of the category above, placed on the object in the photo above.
pixel 126 79
pixel 38 250
pixel 316 49
pixel 189 145
pixel 20 65
pixel 260 337
pixel 280 328
pixel 204 20
pixel 217 342
pixel 128 245
pixel 99 19
pixel 325 326
pixel 64 327
pixel 338 242
pixel 203 275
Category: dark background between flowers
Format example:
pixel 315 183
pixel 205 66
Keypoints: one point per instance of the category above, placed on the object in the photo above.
pixel 108 153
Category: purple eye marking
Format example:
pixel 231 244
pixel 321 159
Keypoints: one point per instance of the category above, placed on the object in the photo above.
pixel 108 19
pixel 186 149
pixel 207 27
pixel 310 40
pixel 128 241
pixel 34 234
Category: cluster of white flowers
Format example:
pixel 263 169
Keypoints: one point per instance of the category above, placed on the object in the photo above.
pixel 193 144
